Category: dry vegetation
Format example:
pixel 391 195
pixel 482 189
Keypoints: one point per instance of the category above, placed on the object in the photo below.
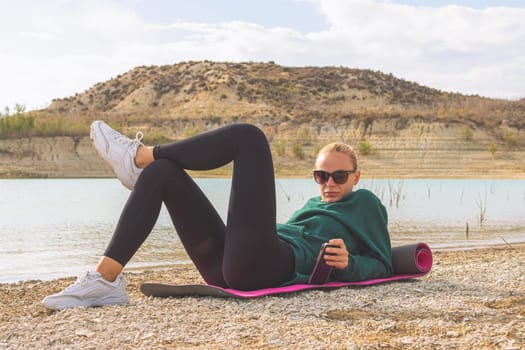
pixel 274 94
pixel 267 94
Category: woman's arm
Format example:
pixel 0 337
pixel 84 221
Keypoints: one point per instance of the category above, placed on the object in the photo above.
pixel 353 267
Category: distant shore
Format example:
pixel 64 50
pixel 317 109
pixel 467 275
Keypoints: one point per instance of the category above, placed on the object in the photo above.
pixel 472 299
pixel 413 156
pixel 292 175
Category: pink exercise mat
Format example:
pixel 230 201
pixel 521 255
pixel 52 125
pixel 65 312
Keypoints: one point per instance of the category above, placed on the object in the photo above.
pixel 409 261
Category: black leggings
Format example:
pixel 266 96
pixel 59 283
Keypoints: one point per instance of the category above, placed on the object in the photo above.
pixel 246 253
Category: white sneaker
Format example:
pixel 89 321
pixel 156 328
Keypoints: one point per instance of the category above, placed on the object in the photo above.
pixel 118 151
pixel 90 290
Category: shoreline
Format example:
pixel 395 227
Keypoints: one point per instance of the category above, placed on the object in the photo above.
pixel 435 247
pixel 470 299
pixel 302 175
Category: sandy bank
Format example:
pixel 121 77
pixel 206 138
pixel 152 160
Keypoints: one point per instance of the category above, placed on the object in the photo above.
pixel 472 299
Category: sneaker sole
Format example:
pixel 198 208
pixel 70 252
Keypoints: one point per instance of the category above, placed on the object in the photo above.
pixel 105 302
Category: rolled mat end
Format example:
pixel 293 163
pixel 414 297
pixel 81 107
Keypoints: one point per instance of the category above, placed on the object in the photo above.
pixel 410 259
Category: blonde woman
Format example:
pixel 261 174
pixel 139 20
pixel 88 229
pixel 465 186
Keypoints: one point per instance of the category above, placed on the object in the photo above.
pixel 250 250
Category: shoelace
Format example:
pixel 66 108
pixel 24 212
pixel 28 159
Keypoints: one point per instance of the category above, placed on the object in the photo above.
pixel 126 141
pixel 82 279
pixel 138 136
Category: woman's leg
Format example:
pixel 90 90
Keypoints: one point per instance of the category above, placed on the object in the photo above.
pixel 244 254
pixel 164 181
pixel 253 255
pixel 247 253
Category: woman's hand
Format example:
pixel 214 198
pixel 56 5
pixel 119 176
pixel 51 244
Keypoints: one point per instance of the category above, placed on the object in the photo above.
pixel 337 257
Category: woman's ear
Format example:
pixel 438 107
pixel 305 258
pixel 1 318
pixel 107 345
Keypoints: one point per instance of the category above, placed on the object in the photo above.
pixel 357 175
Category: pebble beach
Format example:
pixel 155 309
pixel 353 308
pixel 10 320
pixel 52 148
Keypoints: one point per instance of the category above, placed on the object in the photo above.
pixel 471 299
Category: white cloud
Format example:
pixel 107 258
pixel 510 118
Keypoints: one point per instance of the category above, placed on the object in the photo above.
pixel 452 48
pixel 57 48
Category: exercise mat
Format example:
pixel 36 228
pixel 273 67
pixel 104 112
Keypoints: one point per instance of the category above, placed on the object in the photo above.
pixel 409 261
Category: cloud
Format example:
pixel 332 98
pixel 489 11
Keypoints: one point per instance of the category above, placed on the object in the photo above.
pixel 57 48
pixel 453 48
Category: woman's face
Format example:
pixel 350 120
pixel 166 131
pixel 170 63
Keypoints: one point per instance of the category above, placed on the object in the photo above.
pixel 330 162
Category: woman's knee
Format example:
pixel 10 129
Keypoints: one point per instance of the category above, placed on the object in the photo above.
pixel 249 133
pixel 159 171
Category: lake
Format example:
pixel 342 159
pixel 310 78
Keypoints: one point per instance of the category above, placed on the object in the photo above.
pixel 53 228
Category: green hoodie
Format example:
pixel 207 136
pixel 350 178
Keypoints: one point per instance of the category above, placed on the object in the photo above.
pixel 359 219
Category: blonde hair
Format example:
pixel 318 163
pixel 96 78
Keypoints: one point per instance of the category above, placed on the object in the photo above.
pixel 341 148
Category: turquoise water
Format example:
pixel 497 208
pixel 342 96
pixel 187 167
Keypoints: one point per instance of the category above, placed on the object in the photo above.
pixel 59 227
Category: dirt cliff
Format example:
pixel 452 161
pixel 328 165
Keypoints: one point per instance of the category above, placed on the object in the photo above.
pixel 414 149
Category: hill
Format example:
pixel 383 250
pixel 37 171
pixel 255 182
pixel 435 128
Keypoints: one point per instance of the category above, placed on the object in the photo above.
pixel 273 93
pixel 401 128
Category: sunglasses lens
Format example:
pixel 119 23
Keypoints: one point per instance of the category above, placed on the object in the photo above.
pixel 340 177
pixel 321 177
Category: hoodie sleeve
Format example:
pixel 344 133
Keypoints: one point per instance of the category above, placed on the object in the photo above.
pixel 368 221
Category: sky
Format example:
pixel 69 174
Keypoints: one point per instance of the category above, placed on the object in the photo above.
pixel 56 48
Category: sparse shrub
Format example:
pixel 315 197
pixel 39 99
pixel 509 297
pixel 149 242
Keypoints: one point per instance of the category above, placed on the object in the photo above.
pixel 60 126
pixel 493 149
pixel 19 108
pixel 332 99
pixel 280 148
pixel 467 133
pixel 156 138
pixel 482 206
pixel 241 90
pixel 190 131
pixel 364 148
pixel 304 134
pixel 17 126
pixel 317 148
pixel 28 125
pixel 298 151
pixel 510 139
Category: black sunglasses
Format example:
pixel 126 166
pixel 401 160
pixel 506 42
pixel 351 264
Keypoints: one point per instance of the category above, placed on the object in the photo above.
pixel 340 176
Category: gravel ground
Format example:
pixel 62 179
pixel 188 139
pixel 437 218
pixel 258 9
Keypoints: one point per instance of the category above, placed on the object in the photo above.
pixel 472 299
